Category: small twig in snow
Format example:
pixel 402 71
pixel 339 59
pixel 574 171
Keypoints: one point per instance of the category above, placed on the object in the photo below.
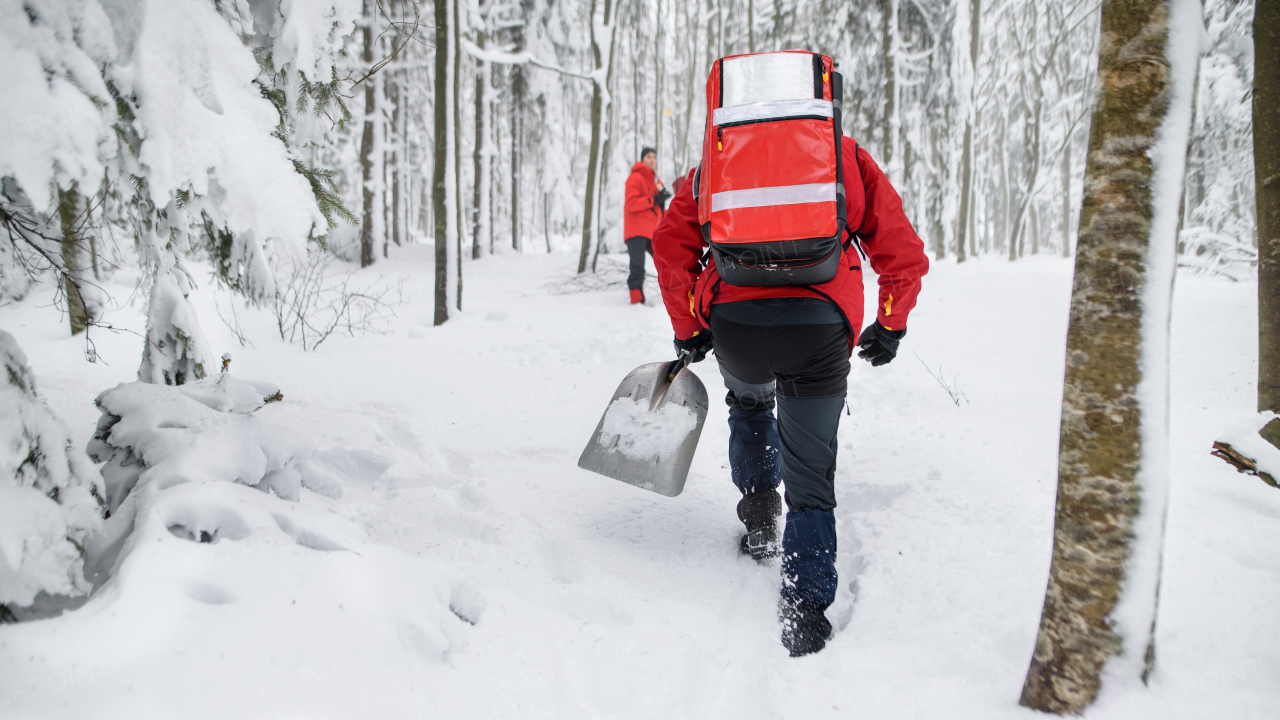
pixel 953 390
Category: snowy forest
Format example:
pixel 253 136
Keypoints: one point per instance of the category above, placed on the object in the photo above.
pixel 405 221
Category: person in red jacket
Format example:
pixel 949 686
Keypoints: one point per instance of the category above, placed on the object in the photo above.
pixel 790 347
pixel 643 209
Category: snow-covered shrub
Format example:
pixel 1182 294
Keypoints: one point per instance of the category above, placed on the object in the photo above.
pixel 50 497
pixel 175 351
pixel 205 430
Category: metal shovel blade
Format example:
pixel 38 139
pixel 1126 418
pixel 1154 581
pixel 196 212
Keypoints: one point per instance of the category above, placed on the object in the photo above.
pixel 660 408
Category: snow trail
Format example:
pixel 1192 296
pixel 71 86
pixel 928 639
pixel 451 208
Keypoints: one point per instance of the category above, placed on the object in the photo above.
pixel 573 595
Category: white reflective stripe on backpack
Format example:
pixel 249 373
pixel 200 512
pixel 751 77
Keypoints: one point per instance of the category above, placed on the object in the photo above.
pixel 769 110
pixel 766 196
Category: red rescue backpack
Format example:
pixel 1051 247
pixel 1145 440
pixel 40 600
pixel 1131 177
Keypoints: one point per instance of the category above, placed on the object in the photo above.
pixel 770 190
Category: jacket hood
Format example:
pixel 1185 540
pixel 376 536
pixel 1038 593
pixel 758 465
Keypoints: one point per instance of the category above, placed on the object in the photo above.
pixel 643 170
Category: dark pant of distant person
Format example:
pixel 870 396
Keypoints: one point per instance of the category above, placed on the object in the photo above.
pixel 792 352
pixel 636 248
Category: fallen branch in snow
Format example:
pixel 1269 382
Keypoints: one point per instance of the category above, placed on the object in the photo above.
pixel 953 390
pixel 1241 463
pixel 610 277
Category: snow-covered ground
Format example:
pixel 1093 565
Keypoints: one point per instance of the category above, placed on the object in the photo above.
pixel 470 569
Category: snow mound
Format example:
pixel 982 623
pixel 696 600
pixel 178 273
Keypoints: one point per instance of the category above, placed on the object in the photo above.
pixel 241 604
pixel 233 573
pixel 48 492
pixel 226 393
pixel 644 435
pixel 199 431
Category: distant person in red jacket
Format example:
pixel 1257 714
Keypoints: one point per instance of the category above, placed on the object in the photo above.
pixel 646 196
pixel 790 346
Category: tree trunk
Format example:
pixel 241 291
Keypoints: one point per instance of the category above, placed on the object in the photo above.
pixel 1066 198
pixel 966 190
pixel 1034 213
pixel 1031 139
pixel 396 151
pixel 477 153
pixel 69 208
pixel 608 153
pixel 366 140
pixel 597 122
pixel 937 229
pixel 966 160
pixel 517 93
pixel 517 134
pixel 1002 220
pixel 1100 605
pixel 457 143
pixel 589 206
pixel 546 219
pixel 493 171
pixel 751 26
pixel 888 8
pixel 439 198
pixel 1266 164
pixel 659 65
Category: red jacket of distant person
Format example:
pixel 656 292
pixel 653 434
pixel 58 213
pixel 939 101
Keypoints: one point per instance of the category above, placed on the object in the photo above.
pixel 875 215
pixel 640 214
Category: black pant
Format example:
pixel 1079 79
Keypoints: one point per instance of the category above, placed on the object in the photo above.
pixel 793 351
pixel 636 248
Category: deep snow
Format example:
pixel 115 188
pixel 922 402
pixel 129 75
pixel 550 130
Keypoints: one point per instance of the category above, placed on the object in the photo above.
pixel 589 597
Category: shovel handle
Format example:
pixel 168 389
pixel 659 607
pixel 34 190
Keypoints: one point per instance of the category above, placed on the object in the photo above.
pixel 680 363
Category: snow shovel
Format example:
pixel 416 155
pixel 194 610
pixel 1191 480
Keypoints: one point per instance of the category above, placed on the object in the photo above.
pixel 647 435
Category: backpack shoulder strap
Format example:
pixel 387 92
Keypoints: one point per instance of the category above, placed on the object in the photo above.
pixel 853 238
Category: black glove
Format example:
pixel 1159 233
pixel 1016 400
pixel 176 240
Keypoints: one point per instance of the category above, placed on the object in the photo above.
pixel 698 346
pixel 661 197
pixel 879 344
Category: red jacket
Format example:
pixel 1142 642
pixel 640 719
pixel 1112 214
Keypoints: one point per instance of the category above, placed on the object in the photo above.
pixel 874 212
pixel 640 213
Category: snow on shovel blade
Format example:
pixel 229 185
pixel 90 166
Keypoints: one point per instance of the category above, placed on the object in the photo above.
pixel 650 430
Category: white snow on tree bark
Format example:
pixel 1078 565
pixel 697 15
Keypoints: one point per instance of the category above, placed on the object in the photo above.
pixel 1135 611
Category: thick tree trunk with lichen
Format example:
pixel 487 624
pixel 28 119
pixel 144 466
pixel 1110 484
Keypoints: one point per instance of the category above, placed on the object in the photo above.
pixel 69 206
pixel 1101 597
pixel 1266 163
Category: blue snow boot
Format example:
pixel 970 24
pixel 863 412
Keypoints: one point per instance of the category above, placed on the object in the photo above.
pixel 759 511
pixel 808 579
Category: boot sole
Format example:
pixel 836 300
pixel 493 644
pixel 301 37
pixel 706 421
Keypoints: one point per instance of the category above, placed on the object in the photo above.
pixel 762 552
